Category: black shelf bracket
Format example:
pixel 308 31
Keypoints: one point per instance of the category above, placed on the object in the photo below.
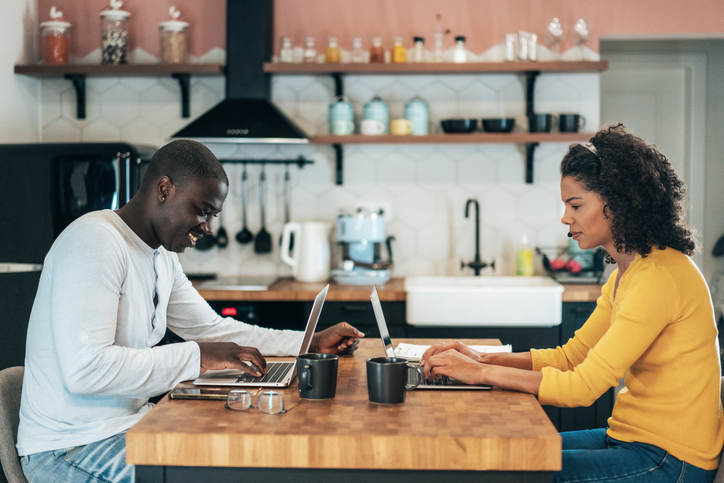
pixel 530 78
pixel 339 162
pixel 78 81
pixel 338 84
pixel 529 158
pixel 184 82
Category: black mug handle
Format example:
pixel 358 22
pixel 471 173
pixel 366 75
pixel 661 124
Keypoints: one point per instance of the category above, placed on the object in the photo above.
pixel 420 377
pixel 306 375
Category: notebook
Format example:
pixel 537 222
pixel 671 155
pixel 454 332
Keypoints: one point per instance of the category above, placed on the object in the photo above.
pixel 432 383
pixel 279 374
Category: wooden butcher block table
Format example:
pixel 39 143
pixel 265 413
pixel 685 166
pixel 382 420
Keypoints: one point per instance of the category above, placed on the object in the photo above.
pixel 435 435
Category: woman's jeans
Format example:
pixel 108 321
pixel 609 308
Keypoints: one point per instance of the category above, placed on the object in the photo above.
pixel 100 462
pixel 591 456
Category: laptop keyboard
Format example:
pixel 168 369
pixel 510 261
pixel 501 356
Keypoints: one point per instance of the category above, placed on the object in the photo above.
pixel 277 371
pixel 442 381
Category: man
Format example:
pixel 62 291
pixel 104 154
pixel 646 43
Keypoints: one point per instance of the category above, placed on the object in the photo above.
pixel 110 286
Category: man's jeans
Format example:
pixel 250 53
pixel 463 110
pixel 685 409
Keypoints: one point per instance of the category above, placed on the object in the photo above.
pixel 592 456
pixel 102 461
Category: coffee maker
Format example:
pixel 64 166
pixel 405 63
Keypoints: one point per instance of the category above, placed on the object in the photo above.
pixel 361 236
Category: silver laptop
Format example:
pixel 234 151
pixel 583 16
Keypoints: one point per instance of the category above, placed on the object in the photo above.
pixel 443 382
pixel 279 374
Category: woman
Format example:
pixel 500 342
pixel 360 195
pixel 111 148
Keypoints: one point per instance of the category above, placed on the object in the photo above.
pixel 653 324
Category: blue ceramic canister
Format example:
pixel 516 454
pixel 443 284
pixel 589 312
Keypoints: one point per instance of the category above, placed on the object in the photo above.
pixel 341 116
pixel 417 112
pixel 376 109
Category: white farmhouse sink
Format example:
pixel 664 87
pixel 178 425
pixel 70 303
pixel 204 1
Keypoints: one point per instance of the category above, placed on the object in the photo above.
pixel 483 301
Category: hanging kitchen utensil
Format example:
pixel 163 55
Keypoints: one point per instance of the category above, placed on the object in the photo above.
pixel 206 242
pixel 262 242
pixel 286 195
pixel 244 236
pixel 222 239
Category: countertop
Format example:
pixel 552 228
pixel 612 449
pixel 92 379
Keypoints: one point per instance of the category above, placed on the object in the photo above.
pixel 433 430
pixel 288 290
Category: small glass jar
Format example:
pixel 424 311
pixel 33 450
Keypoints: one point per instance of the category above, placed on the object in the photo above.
pixel 310 51
pixel 399 52
pixel 174 41
pixel 56 40
pixel 114 34
pixel 286 52
pixel 358 53
pixel 332 54
pixel 417 53
pixel 377 53
pixel 460 53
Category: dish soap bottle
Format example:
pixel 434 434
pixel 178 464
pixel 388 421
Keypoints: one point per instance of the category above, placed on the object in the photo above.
pixel 524 258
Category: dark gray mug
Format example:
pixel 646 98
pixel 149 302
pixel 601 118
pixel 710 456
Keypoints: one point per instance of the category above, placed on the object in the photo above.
pixel 387 379
pixel 571 122
pixel 317 375
pixel 540 122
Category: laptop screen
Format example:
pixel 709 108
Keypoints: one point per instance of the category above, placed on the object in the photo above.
pixel 381 324
pixel 312 322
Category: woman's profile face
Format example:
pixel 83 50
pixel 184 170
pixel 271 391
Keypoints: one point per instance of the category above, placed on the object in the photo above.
pixel 584 215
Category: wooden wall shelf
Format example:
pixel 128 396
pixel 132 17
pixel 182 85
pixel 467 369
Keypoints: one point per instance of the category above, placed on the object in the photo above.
pixel 433 68
pixel 77 74
pixel 119 70
pixel 520 138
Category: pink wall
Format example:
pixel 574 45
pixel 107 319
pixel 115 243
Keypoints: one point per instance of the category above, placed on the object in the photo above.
pixel 483 22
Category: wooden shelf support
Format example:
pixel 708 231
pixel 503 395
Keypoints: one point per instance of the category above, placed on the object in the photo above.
pixel 78 81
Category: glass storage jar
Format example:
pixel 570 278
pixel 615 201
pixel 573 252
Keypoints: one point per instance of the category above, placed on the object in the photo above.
pixel 332 54
pixel 174 39
pixel 114 34
pixel 56 39
pixel 286 52
pixel 399 52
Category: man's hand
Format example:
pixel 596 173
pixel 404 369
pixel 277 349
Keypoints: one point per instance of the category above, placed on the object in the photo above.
pixel 338 339
pixel 227 355
pixel 446 346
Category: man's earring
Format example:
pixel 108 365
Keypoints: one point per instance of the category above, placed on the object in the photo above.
pixel 163 199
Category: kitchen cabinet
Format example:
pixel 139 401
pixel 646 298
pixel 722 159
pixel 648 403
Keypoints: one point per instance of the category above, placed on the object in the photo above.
pixel 77 75
pixel 530 70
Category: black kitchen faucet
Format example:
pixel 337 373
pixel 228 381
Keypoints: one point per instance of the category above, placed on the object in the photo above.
pixel 476 264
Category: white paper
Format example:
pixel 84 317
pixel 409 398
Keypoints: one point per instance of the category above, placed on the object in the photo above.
pixel 413 352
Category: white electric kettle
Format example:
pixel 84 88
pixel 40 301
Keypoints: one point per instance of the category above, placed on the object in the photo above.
pixel 310 257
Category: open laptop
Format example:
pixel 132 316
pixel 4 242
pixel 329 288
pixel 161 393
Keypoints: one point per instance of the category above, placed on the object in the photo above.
pixel 279 374
pixel 443 382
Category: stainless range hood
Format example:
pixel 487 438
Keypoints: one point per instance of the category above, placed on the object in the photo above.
pixel 247 114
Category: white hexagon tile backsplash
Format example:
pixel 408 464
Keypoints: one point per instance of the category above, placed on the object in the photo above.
pixel 422 187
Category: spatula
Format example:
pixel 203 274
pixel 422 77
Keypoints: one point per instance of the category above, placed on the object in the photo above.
pixel 262 241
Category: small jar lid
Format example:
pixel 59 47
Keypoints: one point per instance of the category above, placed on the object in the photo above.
pixel 459 38
pixel 115 14
pixel 418 39
pixel 55 24
pixel 174 25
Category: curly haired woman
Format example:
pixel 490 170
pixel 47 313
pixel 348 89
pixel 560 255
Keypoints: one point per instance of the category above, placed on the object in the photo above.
pixel 653 324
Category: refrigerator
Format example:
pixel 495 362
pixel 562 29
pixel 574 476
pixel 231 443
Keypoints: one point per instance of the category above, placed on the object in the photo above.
pixel 43 188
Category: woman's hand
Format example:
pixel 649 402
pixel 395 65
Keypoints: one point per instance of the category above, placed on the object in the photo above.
pixel 446 346
pixel 457 365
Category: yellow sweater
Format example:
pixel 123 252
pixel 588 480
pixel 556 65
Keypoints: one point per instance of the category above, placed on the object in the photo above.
pixel 660 333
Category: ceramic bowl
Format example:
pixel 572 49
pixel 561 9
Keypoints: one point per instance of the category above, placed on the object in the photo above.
pixel 499 124
pixel 459 125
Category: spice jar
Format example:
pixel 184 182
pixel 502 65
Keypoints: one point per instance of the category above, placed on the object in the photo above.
pixel 460 53
pixel 331 55
pixel 399 52
pixel 286 52
pixel 310 51
pixel 377 53
pixel 358 53
pixel 56 39
pixel 417 53
pixel 174 40
pixel 114 34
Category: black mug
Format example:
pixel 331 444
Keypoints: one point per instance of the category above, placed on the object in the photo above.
pixel 571 122
pixel 540 122
pixel 387 379
pixel 317 375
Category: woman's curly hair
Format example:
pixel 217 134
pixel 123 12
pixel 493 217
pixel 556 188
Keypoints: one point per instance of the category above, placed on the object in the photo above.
pixel 642 195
